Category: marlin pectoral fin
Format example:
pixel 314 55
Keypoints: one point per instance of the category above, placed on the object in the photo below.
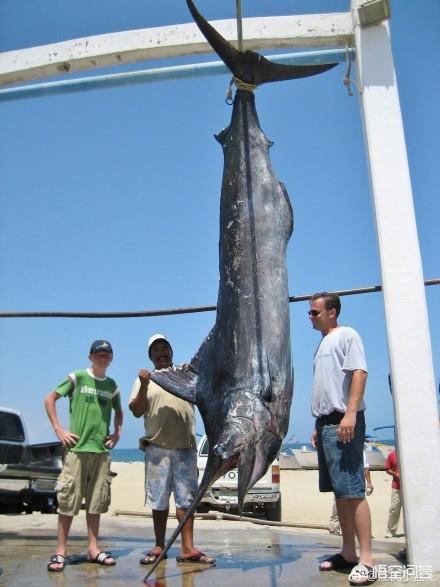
pixel 179 381
pixel 249 66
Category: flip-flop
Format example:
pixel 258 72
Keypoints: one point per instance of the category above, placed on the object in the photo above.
pixel 338 563
pixel 101 559
pixel 362 575
pixel 57 559
pixel 151 557
pixel 197 557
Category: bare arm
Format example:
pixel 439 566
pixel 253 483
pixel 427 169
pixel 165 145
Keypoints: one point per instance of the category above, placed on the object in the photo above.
pixel 138 406
pixel 368 477
pixel 345 429
pixel 112 439
pixel 314 438
pixel 66 437
pixel 394 472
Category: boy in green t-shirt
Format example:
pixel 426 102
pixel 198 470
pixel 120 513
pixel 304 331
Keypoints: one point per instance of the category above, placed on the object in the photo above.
pixel 86 470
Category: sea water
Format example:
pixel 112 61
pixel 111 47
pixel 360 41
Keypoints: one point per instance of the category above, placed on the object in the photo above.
pixel 127 455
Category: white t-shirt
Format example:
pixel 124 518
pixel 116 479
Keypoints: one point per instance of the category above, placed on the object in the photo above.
pixel 339 354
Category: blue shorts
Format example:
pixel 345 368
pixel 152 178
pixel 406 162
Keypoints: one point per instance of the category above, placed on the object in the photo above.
pixel 341 466
pixel 170 470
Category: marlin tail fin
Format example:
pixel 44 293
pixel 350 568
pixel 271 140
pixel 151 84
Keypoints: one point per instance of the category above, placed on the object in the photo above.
pixel 249 66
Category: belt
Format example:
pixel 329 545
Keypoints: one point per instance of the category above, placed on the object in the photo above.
pixel 332 418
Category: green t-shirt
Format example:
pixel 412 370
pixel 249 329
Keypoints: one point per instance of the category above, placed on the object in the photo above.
pixel 91 402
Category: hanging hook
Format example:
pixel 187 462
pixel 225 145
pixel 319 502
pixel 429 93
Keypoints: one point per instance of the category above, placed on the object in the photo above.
pixel 347 80
pixel 229 100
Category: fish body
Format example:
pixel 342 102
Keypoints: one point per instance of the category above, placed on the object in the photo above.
pixel 241 377
pixel 244 386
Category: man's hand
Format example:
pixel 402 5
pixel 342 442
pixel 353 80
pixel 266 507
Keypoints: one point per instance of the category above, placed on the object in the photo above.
pixel 111 440
pixel 66 437
pixel 144 376
pixel 345 430
pixel 314 438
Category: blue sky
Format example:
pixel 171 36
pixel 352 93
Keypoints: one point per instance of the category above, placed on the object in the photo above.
pixel 110 202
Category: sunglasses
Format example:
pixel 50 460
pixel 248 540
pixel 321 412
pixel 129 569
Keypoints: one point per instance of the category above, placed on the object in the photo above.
pixel 313 313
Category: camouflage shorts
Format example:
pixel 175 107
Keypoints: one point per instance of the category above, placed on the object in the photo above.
pixel 170 470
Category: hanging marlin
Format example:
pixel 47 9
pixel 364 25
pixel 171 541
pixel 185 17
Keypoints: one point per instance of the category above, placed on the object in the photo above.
pixel 241 378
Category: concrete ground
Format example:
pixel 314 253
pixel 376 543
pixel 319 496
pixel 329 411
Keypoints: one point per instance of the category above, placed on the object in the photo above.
pixel 247 554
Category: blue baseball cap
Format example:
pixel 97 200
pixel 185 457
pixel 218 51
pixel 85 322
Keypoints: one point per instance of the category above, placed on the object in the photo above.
pixel 101 346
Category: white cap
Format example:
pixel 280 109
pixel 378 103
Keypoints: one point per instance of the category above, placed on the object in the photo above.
pixel 156 337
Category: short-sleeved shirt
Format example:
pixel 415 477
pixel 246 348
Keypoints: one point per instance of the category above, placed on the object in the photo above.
pixel 391 463
pixel 339 354
pixel 91 402
pixel 169 421
pixel 364 456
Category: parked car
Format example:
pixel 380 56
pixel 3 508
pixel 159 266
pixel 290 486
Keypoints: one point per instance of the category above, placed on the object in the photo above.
pixel 28 472
pixel 262 500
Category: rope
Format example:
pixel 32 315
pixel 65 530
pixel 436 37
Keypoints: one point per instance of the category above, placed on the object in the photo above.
pixel 241 85
pixel 226 516
pixel 188 310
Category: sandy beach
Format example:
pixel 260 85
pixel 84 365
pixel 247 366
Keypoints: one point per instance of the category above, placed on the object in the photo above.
pixel 301 501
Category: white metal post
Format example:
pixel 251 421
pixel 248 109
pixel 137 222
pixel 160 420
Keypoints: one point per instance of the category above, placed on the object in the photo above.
pixel 406 315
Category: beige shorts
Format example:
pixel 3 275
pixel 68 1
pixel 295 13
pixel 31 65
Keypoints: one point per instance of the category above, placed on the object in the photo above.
pixel 84 475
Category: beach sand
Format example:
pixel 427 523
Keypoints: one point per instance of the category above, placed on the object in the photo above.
pixel 302 503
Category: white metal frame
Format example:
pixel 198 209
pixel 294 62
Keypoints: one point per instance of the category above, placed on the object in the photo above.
pixel 170 41
pixel 403 287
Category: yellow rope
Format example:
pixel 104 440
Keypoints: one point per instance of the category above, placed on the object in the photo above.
pixel 241 85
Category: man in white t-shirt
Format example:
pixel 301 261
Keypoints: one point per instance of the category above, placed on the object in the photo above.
pixel 340 374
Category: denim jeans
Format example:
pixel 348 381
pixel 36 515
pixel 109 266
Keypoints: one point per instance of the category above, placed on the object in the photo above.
pixel 341 467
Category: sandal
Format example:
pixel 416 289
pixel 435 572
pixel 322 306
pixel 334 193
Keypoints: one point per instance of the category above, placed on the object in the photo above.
pixel 337 563
pixel 362 575
pixel 102 558
pixel 151 557
pixel 197 557
pixel 57 559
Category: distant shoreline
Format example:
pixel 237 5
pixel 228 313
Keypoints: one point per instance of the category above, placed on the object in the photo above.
pixel 129 455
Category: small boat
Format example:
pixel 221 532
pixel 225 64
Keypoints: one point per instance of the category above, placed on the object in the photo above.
pixel 288 460
pixel 375 458
pixel 306 457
